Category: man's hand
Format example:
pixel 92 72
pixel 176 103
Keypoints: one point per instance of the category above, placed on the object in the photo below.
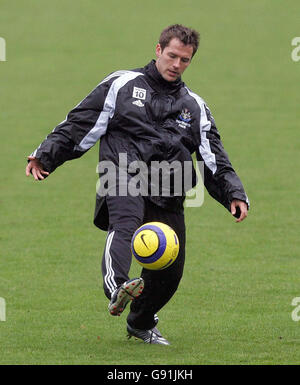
pixel 243 209
pixel 35 167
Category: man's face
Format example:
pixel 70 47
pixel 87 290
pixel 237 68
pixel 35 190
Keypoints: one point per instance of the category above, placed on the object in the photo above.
pixel 174 59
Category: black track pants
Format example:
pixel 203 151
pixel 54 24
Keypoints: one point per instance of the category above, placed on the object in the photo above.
pixel 126 214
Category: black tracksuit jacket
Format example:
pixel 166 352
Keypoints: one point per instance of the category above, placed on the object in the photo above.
pixel 139 113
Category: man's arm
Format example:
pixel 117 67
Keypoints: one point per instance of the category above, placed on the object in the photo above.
pixel 87 122
pixel 220 179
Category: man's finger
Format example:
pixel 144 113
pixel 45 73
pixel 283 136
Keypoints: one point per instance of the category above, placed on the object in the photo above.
pixel 243 215
pixel 34 173
pixel 232 208
pixel 28 168
pixel 39 175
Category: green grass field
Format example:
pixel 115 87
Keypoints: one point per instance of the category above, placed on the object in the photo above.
pixel 234 302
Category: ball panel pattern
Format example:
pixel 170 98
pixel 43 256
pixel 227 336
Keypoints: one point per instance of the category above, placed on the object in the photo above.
pixel 161 245
pixel 165 248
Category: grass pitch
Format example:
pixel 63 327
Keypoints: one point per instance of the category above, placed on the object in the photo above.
pixel 234 302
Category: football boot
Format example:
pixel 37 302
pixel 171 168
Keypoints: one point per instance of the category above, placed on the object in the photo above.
pixel 151 336
pixel 128 291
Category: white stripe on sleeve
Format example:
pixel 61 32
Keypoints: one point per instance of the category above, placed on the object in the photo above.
pixel 107 113
pixel 205 125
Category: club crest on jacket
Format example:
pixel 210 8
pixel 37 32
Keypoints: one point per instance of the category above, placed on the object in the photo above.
pixel 184 118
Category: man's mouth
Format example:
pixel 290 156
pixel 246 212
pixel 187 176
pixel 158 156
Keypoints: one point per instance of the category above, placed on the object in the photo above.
pixel 173 73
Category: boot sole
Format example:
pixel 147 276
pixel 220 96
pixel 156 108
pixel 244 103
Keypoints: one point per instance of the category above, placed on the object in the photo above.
pixel 128 292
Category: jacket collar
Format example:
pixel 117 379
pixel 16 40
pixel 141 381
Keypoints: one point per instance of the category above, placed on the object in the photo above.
pixel 158 83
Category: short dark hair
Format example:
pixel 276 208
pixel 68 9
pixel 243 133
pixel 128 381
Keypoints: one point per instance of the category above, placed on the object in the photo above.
pixel 184 34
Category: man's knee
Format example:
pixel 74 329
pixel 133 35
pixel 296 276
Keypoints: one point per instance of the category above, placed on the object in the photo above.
pixel 126 228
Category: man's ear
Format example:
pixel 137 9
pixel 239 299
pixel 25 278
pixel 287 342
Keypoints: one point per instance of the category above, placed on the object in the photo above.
pixel 158 50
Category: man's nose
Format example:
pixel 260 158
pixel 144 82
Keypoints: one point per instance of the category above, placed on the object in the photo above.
pixel 176 63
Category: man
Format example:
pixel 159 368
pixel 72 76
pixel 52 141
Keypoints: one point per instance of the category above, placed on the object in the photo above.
pixel 149 115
